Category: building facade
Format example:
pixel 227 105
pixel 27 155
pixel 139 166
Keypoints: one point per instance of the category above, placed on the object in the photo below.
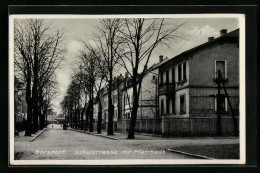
pixel 187 82
pixel 116 97
pixel 20 105
pixel 148 98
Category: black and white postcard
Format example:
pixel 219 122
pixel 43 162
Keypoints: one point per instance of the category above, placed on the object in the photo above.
pixel 127 89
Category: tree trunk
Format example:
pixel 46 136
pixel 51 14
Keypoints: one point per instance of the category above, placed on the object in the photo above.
pixel 87 114
pixel 74 119
pixel 41 115
pixel 99 116
pixel 44 116
pixel 81 118
pixel 110 130
pixel 71 122
pixel 134 112
pixel 35 96
pixel 28 131
pixel 78 113
pixel 91 110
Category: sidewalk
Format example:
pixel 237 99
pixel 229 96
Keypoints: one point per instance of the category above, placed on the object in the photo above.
pixel 146 136
pixel 22 141
pixel 200 147
pixel 123 136
pixel 23 138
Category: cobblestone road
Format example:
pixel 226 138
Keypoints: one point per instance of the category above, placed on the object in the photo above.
pixel 58 144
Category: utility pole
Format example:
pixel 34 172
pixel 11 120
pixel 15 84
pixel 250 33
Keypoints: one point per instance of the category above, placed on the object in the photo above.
pixel 219 127
pixel 155 80
pixel 229 103
pixel 156 97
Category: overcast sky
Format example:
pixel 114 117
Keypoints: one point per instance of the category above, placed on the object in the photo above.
pixel 197 32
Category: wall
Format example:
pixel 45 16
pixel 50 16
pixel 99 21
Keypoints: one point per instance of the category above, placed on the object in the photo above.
pixel 187 99
pixel 146 98
pixel 162 97
pixel 202 64
pixel 200 71
pixel 203 102
pixel 169 126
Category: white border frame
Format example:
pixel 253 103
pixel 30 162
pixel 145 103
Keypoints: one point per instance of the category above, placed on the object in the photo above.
pixel 242 123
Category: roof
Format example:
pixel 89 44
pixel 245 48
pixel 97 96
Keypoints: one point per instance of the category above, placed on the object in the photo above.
pixel 232 34
pixel 155 66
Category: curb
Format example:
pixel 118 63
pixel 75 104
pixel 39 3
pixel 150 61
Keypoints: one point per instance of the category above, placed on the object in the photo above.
pixel 37 135
pixel 94 134
pixel 105 136
pixel 189 154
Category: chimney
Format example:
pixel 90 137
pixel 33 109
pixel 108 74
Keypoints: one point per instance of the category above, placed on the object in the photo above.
pixel 126 75
pixel 161 58
pixel 223 31
pixel 210 38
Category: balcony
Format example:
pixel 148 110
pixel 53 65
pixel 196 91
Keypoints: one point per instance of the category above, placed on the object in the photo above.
pixel 166 88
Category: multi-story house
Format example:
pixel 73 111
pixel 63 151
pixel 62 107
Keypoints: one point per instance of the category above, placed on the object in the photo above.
pixel 20 105
pixel 148 98
pixel 187 85
pixel 116 96
pixel 95 110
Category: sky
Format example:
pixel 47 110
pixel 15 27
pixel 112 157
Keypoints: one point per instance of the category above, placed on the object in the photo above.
pixel 196 31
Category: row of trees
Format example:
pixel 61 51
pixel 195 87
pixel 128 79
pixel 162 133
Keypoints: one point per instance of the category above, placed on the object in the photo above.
pixel 38 52
pixel 128 44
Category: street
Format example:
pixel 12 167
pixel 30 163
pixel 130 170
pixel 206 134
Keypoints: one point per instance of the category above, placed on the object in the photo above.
pixel 57 144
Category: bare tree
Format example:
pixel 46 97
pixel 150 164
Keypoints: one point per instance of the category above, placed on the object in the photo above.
pixel 81 78
pixel 47 92
pixel 92 74
pixel 38 52
pixel 139 38
pixel 106 43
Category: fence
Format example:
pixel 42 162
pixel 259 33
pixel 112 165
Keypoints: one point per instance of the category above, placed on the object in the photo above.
pixel 168 126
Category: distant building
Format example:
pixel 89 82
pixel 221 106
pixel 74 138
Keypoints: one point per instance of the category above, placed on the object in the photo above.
pixel 20 105
pixel 116 96
pixel 51 115
pixel 148 98
pixel 60 119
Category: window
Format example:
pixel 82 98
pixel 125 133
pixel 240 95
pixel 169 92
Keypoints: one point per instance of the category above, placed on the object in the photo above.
pixel 126 100
pixel 222 103
pixel 167 76
pixel 182 104
pixel 173 75
pixel 161 77
pixel 115 99
pixel 162 106
pixel 179 72
pixel 221 65
pixel 184 70
pixel 115 113
pixel 173 106
pixel 182 74
pixel 167 106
